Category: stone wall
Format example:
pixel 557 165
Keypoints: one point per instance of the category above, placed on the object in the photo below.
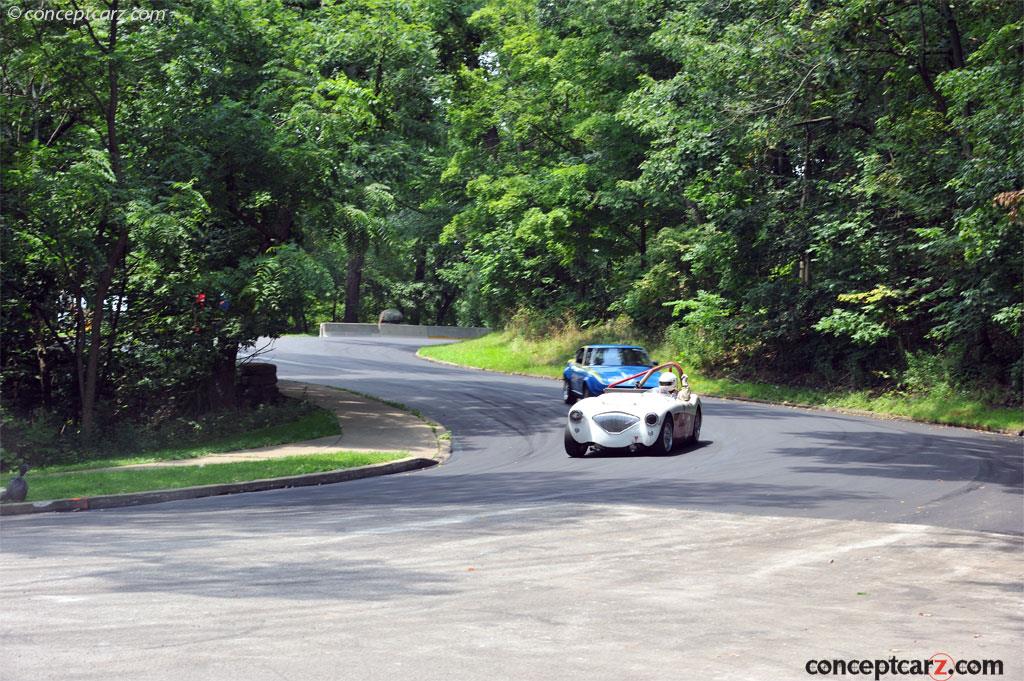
pixel 328 329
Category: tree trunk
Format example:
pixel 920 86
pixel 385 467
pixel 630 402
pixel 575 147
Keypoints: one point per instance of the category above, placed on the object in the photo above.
pixel 956 43
pixel 922 65
pixel 447 298
pixel 958 61
pixel 419 275
pixel 805 198
pixel 222 387
pixel 643 244
pixel 115 314
pixel 80 330
pixel 96 333
pixel 116 255
pixel 43 359
pixel 353 280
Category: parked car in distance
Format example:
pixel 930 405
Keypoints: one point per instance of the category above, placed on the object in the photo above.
pixel 595 366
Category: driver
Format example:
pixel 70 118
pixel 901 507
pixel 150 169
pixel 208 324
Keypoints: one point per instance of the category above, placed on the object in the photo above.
pixel 667 383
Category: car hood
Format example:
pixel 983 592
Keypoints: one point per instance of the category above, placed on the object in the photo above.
pixel 612 374
pixel 638 403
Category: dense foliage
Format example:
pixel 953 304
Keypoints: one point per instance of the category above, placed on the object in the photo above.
pixel 828 191
pixel 806 188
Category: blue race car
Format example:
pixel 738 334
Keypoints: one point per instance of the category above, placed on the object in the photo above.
pixel 595 366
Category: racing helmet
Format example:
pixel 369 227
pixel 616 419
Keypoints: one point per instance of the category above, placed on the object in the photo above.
pixel 667 382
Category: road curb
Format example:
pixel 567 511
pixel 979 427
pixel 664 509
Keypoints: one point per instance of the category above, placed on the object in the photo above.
pixel 160 496
pixel 441 435
pixel 789 405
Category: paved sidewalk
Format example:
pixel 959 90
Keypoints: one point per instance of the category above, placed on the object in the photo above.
pixel 366 426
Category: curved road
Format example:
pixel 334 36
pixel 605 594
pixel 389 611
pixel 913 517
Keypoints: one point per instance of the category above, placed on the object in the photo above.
pixel 784 536
pixel 752 458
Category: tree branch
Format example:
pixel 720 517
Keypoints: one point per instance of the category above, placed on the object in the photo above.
pixel 69 122
pixel 88 27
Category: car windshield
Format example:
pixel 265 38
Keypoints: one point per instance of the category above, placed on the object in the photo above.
pixel 611 357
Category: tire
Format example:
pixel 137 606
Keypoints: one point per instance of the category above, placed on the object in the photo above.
pixel 695 433
pixel 573 448
pixel 666 441
pixel 568 396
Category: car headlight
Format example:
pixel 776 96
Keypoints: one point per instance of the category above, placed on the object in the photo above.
pixel 576 415
pixel 651 419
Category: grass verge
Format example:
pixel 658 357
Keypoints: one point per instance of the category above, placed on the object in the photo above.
pixel 511 353
pixel 46 484
pixel 312 423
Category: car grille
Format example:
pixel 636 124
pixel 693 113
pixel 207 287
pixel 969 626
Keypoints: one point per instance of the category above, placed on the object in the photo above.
pixel 615 422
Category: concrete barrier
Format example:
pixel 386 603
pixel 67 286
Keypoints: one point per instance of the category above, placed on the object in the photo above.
pixel 328 329
pixel 339 329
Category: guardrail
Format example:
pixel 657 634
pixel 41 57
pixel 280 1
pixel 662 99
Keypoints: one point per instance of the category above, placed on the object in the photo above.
pixel 329 329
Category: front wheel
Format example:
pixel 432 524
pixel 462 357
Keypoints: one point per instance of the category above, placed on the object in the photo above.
pixel 666 441
pixel 695 433
pixel 568 396
pixel 573 448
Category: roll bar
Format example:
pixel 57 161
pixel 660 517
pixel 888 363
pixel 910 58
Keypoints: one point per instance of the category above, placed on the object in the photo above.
pixel 647 374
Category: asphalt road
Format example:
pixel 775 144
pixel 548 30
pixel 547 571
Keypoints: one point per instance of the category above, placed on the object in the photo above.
pixel 784 536
pixel 752 458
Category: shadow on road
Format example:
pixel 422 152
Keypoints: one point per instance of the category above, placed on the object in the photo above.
pixel 649 453
pixel 892 455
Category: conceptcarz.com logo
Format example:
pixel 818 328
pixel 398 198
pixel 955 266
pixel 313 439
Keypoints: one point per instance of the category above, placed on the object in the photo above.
pixel 939 667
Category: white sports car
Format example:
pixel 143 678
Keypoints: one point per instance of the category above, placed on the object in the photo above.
pixel 634 417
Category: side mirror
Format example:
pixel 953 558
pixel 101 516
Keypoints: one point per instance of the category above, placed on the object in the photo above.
pixel 655 362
